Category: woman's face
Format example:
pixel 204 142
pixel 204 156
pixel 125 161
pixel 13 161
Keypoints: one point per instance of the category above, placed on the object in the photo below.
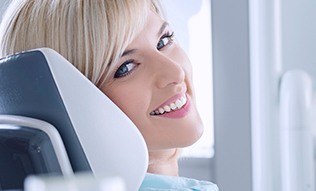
pixel 152 84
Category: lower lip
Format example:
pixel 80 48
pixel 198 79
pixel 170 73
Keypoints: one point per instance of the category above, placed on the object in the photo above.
pixel 180 113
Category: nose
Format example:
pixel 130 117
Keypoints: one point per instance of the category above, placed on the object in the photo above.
pixel 168 72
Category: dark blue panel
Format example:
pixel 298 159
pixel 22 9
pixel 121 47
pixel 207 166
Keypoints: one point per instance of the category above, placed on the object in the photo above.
pixel 25 151
pixel 27 88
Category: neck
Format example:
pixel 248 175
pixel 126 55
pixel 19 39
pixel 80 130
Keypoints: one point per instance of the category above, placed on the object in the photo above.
pixel 164 162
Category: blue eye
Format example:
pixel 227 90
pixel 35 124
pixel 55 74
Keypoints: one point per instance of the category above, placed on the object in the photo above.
pixel 165 40
pixel 125 69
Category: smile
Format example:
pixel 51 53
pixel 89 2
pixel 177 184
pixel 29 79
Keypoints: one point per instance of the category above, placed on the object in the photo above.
pixel 176 105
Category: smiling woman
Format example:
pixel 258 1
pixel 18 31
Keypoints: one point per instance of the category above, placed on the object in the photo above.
pixel 128 50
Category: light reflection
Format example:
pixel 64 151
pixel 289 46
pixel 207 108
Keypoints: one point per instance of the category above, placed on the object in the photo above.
pixel 9 127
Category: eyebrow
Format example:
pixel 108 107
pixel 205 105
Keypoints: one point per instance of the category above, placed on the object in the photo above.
pixel 128 51
pixel 162 28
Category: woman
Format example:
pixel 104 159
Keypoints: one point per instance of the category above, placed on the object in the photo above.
pixel 128 51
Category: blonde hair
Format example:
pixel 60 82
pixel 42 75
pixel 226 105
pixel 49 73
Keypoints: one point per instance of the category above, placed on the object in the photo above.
pixel 91 34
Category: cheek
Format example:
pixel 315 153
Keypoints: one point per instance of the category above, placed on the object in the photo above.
pixel 131 99
pixel 133 104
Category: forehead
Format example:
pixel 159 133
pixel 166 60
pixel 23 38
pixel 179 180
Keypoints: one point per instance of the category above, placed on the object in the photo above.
pixel 153 23
pixel 153 28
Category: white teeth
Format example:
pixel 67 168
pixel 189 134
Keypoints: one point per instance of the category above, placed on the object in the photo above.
pixel 183 99
pixel 167 108
pixel 173 106
pixel 178 104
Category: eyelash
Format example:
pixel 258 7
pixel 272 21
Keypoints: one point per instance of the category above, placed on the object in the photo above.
pixel 169 35
pixel 125 64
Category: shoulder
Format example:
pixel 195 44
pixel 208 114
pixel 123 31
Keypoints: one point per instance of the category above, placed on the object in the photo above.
pixel 164 183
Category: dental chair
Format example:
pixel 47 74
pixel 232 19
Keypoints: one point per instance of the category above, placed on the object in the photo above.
pixel 55 122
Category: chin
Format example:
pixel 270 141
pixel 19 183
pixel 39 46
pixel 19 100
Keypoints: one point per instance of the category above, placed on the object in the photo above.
pixel 176 140
pixel 193 137
pixel 188 135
